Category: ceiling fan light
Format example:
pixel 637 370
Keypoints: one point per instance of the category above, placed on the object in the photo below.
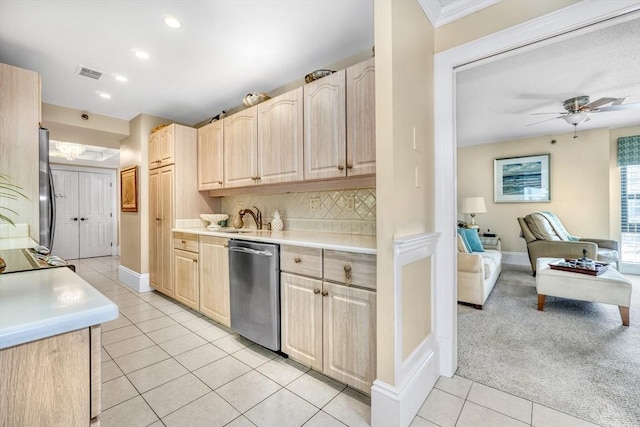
pixel 576 118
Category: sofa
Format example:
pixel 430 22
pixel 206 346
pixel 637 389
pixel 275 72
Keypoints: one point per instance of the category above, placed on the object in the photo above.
pixel 546 237
pixel 478 273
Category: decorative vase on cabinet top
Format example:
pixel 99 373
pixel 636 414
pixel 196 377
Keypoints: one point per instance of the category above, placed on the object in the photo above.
pixel 276 222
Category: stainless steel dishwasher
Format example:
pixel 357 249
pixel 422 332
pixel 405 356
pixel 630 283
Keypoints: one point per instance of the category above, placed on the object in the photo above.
pixel 254 281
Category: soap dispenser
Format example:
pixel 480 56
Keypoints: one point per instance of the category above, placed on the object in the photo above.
pixel 276 222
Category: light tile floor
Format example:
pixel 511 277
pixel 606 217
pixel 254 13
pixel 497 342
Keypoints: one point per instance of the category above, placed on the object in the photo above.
pixel 166 365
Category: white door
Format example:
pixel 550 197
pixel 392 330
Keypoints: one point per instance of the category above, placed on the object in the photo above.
pixel 67 235
pixel 95 212
pixel 84 205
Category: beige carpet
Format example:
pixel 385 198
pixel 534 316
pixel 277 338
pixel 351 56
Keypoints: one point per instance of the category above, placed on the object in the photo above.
pixel 575 356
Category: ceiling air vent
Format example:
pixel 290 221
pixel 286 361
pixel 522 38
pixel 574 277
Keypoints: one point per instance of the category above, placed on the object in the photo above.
pixel 88 72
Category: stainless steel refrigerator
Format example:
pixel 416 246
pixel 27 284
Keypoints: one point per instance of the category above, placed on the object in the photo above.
pixel 47 194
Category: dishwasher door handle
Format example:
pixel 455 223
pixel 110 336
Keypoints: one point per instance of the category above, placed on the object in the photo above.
pixel 250 251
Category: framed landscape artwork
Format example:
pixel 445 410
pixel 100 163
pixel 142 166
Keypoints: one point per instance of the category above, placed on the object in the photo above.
pixel 521 179
pixel 129 189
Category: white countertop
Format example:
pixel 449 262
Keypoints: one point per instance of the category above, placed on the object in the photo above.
pixel 335 241
pixel 42 303
pixel 17 243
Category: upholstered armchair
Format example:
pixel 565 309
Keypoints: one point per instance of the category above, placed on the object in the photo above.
pixel 546 237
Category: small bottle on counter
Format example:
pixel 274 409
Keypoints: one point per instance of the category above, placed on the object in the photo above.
pixel 276 222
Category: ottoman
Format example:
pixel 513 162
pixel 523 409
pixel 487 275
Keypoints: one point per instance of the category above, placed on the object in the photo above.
pixel 610 287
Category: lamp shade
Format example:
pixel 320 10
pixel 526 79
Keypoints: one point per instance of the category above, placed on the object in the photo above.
pixel 473 205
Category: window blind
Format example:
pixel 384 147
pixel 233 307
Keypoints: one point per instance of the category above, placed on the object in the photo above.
pixel 629 150
pixel 630 192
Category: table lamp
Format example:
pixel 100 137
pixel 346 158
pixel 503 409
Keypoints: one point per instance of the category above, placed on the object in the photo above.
pixel 473 206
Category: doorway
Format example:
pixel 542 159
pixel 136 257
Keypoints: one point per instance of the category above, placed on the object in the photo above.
pixel 85 203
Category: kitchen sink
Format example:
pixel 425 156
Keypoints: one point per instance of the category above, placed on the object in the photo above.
pixel 233 230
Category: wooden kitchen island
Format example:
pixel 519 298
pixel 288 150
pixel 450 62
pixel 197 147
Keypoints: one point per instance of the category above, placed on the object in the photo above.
pixel 50 348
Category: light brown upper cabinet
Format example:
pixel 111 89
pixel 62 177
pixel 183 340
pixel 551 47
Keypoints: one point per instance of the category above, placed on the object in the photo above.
pixel 325 127
pixel 361 115
pixel 161 146
pixel 210 152
pixel 280 139
pixel 241 154
pixel 339 120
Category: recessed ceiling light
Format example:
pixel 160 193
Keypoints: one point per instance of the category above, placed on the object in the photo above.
pixel 172 22
pixel 121 78
pixel 141 54
pixel 104 95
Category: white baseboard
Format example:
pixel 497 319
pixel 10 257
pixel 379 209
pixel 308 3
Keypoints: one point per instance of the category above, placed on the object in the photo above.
pixel 136 281
pixel 516 258
pixel 397 406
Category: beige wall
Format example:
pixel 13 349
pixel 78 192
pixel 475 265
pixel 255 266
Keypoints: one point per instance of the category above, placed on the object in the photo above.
pixel 404 107
pixel 583 192
pixel 134 226
pixel 499 16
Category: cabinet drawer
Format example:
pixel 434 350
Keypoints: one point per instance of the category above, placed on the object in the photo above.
pixel 300 260
pixel 350 268
pixel 185 242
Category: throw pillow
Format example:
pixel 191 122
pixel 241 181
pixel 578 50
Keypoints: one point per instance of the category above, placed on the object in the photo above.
pixel 462 247
pixel 473 239
pixel 463 237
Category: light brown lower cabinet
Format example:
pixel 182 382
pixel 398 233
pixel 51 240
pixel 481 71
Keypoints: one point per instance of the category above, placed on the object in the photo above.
pixel 54 381
pixel 214 279
pixel 185 268
pixel 330 327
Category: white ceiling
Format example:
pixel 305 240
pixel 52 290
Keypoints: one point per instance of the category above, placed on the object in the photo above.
pixel 494 100
pixel 226 49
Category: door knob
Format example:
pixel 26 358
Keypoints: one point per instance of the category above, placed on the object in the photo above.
pixel 75 219
pixel 316 291
pixel 340 167
pixel 84 219
pixel 297 260
pixel 325 293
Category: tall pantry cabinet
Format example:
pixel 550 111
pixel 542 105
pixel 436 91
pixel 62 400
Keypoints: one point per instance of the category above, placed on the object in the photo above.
pixel 173 195
pixel 20 112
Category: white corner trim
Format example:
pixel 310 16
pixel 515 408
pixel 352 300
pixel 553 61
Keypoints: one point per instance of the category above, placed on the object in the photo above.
pixel 439 15
pixel 136 281
pixel 397 406
pixel 414 377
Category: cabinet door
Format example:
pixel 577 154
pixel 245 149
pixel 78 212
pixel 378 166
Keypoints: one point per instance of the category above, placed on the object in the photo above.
pixel 241 140
pixel 325 127
pixel 361 115
pixel 166 148
pixel 210 156
pixel 214 279
pixel 154 149
pixel 155 231
pixel 186 278
pixel 349 335
pixel 165 196
pixel 301 319
pixel 280 137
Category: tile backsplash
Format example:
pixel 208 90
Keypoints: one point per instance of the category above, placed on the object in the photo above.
pixel 336 211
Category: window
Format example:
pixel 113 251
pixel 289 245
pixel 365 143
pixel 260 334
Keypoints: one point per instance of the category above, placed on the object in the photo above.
pixel 630 192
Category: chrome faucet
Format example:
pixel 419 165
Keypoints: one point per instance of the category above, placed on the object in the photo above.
pixel 257 216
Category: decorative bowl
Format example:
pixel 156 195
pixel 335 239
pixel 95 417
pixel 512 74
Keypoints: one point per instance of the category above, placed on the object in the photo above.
pixel 256 98
pixel 214 219
pixel 317 74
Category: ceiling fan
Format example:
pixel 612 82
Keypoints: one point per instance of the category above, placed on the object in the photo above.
pixel 579 109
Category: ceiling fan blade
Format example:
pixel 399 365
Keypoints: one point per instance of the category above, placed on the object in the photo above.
pixel 548 120
pixel 618 101
pixel 634 106
pixel 536 114
pixel 598 103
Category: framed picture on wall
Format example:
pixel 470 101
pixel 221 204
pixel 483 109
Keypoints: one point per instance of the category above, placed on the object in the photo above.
pixel 521 179
pixel 129 189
